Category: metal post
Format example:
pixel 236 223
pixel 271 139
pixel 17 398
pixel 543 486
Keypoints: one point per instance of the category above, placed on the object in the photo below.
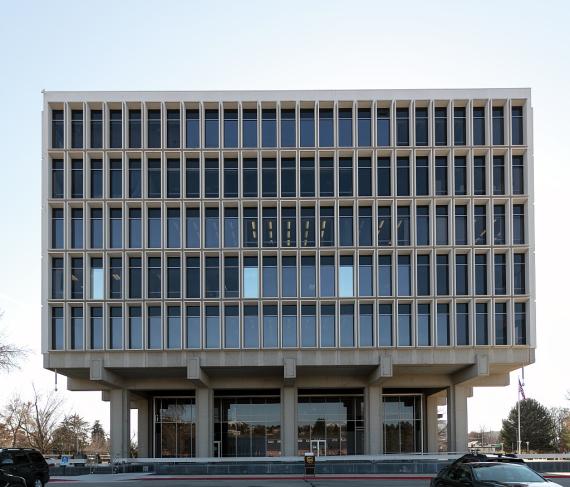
pixel 519 425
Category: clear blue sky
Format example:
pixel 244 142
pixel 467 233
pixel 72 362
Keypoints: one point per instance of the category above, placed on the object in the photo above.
pixel 187 45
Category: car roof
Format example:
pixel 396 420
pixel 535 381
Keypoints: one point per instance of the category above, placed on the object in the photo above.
pixel 479 458
pixel 488 464
pixel 18 450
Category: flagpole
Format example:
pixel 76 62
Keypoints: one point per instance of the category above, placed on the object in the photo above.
pixel 519 422
pixel 519 412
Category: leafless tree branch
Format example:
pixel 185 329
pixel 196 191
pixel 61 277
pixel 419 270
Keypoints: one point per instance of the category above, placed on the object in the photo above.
pixel 10 354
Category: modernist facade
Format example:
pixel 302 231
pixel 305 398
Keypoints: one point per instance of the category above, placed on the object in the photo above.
pixel 268 273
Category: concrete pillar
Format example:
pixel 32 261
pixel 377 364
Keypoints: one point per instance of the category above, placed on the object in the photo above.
pixel 457 418
pixel 289 421
pixel 431 426
pixel 120 423
pixel 143 430
pixel 374 416
pixel 204 424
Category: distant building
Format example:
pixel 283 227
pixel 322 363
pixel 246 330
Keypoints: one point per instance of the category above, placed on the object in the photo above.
pixel 265 273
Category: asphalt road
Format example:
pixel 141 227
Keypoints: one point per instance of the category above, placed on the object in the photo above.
pixel 265 483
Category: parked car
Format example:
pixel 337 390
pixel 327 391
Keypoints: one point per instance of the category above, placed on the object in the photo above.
pixel 487 471
pixel 26 463
pixel 7 480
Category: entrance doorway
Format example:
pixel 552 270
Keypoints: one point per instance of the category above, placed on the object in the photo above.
pixel 319 447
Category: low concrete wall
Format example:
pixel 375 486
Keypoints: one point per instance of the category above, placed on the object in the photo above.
pixel 289 467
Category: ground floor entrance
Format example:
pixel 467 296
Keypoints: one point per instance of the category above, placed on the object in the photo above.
pixel 251 423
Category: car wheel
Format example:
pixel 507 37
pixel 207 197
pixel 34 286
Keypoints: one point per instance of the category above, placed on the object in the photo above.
pixel 38 483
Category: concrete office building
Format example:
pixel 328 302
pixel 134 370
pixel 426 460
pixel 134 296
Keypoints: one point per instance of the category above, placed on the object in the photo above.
pixel 268 273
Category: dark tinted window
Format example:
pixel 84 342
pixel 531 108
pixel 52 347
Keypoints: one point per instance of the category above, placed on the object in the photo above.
pixel 421 126
pixel 364 127
pixel 192 128
pixel 153 128
pixel 76 129
pixel 192 178
pixel 115 129
pixel 517 126
pixel 249 135
pixel 135 129
pixel 364 176
pixel 307 127
pixel 326 127
pixel 402 126
pixel 231 128
pixel 459 126
pixel 345 127
pixel 268 127
pixel 230 178
pixel 383 182
pixel 212 127
pixel 288 178
pixel 478 126
pixel 172 128
pixel 383 127
pixel 57 129
pixel 307 177
pixel 326 176
pixel 498 126
pixel 96 129
pixel 288 127
pixel 441 126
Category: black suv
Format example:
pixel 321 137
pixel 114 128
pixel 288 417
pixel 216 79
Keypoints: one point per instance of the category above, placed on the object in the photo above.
pixel 475 470
pixel 26 463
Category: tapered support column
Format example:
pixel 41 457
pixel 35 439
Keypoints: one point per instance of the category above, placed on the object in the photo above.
pixel 431 424
pixel 204 426
pixel 289 421
pixel 143 436
pixel 374 420
pixel 120 423
pixel 457 418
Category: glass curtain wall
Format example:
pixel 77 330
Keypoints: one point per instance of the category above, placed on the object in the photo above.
pixel 402 423
pixel 330 424
pixel 247 426
pixel 174 427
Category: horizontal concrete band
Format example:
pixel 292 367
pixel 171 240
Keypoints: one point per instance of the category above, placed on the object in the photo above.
pixel 275 468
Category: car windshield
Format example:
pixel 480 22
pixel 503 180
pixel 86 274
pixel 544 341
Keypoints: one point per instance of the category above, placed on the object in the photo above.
pixel 505 473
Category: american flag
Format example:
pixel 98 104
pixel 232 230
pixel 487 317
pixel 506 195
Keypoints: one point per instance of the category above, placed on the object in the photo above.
pixel 521 390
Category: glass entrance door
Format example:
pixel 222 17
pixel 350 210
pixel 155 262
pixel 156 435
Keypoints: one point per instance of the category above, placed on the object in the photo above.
pixel 319 447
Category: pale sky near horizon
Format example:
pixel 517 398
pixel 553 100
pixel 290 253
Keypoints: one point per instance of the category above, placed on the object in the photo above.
pixel 293 44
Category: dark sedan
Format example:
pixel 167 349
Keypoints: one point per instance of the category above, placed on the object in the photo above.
pixel 487 474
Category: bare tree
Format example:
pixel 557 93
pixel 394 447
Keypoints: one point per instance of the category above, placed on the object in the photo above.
pixel 9 353
pixel 42 420
pixel 14 416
